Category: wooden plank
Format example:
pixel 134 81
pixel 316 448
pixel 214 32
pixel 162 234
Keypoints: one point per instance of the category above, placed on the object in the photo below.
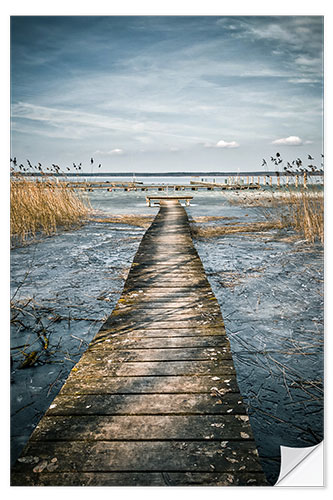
pixel 142 428
pixel 107 456
pixel 144 315
pixel 173 291
pixel 153 368
pixel 124 355
pixel 163 197
pixel 108 339
pixel 147 404
pixel 154 339
pixel 127 335
pixel 118 326
pixel 97 478
pixel 166 299
pixel 179 312
pixel 164 302
pixel 89 384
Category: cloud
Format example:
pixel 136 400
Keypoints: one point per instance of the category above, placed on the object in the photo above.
pixel 292 140
pixel 179 90
pixel 304 80
pixel 308 61
pixel 225 144
pixel 116 151
pixel 78 121
pixel 293 31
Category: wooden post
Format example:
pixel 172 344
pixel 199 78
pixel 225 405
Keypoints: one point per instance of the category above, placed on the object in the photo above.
pixel 296 181
pixel 252 179
pixel 270 180
pixel 278 181
pixel 287 180
pixel 305 178
pixel 258 181
pixel 247 180
pixel 147 201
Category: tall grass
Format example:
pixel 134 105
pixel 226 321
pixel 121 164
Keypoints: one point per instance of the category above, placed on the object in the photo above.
pixel 301 210
pixel 251 227
pixel 43 206
pixel 304 212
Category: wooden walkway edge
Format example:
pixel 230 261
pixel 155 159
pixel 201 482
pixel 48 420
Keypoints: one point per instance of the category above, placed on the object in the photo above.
pixel 154 400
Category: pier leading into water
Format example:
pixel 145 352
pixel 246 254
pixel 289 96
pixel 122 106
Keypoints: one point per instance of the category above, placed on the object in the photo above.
pixel 210 181
pixel 154 400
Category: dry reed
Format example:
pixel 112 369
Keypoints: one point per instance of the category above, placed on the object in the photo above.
pixel 43 206
pixel 301 210
pixel 251 227
pixel 305 213
pixel 131 220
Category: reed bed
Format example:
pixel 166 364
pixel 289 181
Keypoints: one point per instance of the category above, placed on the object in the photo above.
pixel 305 214
pixel 143 221
pixel 251 227
pixel 43 206
pixel 301 210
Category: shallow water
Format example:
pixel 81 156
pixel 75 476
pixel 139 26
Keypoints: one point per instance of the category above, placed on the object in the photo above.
pixel 269 288
pixel 73 280
pixel 270 293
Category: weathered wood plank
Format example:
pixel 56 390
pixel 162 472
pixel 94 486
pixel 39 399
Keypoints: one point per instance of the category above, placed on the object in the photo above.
pixel 144 313
pixel 184 291
pixel 140 479
pixel 142 427
pixel 169 282
pixel 152 368
pixel 200 333
pixel 105 456
pixel 90 384
pixel 154 339
pixel 165 301
pixel 147 404
pixel 149 302
pixel 139 355
pixel 118 326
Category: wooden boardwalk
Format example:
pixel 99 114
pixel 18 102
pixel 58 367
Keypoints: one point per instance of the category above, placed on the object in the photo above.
pixel 154 399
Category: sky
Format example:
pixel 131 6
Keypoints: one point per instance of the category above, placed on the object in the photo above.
pixel 159 93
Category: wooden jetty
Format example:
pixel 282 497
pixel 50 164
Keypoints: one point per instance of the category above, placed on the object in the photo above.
pixel 202 186
pixel 250 180
pixel 154 400
pixel 161 199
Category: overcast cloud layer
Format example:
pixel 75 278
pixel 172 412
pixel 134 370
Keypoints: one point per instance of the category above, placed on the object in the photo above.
pixel 166 93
